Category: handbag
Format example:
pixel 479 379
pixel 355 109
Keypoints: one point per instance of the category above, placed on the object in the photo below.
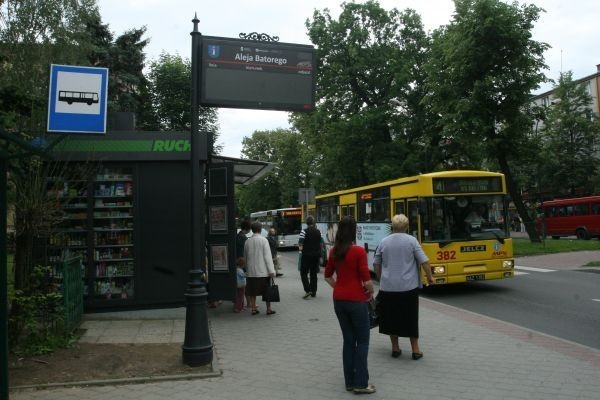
pixel 373 316
pixel 271 293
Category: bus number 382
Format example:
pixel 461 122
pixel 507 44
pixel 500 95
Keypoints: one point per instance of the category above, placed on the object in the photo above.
pixel 446 255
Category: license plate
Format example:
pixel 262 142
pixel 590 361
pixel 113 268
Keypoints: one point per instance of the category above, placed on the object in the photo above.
pixel 479 277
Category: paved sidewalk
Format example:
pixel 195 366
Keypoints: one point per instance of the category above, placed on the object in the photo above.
pixel 296 354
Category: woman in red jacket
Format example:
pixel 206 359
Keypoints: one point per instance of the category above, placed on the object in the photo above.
pixel 352 288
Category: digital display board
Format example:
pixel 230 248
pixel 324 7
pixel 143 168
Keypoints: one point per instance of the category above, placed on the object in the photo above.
pixel 242 73
pixel 491 184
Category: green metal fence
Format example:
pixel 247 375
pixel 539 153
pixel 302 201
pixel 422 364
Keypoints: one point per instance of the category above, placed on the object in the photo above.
pixel 72 290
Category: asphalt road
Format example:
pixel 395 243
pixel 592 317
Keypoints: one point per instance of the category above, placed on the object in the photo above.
pixel 562 303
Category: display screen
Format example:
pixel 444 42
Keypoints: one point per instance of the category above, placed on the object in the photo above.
pixel 467 185
pixel 248 74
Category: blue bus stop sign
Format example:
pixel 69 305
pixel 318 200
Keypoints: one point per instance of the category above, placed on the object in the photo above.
pixel 77 99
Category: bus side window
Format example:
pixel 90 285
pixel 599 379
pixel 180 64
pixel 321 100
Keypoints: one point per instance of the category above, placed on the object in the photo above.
pixel 596 208
pixel 581 209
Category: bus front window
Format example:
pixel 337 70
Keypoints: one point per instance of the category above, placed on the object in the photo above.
pixel 455 218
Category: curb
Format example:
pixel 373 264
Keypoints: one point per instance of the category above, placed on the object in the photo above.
pixel 121 381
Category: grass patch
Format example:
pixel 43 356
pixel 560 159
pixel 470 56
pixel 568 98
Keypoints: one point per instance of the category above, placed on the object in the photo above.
pixel 524 247
pixel 593 264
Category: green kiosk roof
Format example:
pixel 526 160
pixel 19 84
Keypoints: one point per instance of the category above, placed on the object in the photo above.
pixel 152 146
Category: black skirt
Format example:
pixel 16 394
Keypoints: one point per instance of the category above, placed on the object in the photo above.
pixel 256 286
pixel 399 313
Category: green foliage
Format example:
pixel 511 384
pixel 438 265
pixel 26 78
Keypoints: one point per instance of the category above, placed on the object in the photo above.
pixel 170 80
pixel 525 247
pixel 482 69
pixel 369 123
pixel 36 319
pixel 34 34
pixel 287 151
pixel 570 131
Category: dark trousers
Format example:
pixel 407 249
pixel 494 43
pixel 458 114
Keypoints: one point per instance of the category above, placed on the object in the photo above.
pixel 310 264
pixel 353 317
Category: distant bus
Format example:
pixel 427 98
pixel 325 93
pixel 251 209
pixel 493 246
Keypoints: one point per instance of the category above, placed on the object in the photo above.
pixel 286 221
pixel 78 97
pixel 567 217
pixel 459 217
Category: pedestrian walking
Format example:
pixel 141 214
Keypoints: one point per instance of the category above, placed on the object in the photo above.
pixel 309 245
pixel 259 267
pixel 397 260
pixel 272 238
pixel 347 272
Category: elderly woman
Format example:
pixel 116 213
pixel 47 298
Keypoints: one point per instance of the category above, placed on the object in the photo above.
pixel 397 261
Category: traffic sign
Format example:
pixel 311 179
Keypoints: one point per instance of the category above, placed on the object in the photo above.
pixel 77 99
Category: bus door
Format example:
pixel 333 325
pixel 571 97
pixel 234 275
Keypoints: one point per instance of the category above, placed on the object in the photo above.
pixel 413 217
pixel 399 207
pixel 349 210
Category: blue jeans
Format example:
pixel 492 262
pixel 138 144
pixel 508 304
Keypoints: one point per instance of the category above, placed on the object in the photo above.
pixel 353 317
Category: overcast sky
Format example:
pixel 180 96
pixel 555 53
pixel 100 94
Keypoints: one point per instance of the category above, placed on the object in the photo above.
pixel 571 28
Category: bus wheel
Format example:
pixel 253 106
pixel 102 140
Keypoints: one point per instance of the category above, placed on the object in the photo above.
pixel 582 234
pixel 555 237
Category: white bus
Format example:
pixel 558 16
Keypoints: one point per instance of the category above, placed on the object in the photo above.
pixel 286 221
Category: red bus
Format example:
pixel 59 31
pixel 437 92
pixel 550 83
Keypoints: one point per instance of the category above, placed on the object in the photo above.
pixel 567 217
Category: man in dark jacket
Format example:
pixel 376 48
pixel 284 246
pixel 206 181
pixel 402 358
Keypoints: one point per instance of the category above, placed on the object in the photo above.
pixel 240 238
pixel 310 248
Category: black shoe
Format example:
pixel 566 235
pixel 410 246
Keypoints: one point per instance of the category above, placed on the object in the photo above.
pixel 416 356
pixel 277 275
pixel 313 294
pixel 396 354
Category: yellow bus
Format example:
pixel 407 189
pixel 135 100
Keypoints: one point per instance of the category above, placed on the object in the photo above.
pixel 459 217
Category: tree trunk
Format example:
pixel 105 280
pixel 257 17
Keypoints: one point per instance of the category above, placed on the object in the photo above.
pixel 515 194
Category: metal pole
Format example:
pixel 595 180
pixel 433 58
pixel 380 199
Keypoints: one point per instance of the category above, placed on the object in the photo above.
pixel 197 346
pixel 3 285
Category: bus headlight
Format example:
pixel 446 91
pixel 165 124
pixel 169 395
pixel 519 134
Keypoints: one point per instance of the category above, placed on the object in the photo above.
pixel 508 264
pixel 438 269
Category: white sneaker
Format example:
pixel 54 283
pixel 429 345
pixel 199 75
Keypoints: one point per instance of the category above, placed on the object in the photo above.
pixel 307 296
pixel 367 390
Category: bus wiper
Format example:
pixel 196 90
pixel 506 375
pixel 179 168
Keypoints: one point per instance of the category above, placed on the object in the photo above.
pixel 500 238
pixel 444 243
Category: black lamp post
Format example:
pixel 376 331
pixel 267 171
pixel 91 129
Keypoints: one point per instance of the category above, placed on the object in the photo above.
pixel 197 346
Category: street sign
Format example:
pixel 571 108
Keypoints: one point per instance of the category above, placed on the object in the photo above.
pixel 261 75
pixel 306 195
pixel 77 99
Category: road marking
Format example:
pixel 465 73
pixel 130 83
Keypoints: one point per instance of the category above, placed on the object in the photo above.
pixel 532 269
pixel 596 300
pixel 520 273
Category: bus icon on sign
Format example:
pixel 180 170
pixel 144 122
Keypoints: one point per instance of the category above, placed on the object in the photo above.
pixel 71 97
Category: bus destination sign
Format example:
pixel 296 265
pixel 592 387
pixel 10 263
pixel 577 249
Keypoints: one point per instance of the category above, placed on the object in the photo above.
pixel 491 184
pixel 260 75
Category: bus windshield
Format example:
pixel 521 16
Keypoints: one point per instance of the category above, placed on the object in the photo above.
pixel 456 218
pixel 288 225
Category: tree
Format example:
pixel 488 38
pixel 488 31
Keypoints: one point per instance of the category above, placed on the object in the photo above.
pixel 569 132
pixel 34 34
pixel 279 189
pixel 369 123
pixel 125 59
pixel 170 80
pixel 481 72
